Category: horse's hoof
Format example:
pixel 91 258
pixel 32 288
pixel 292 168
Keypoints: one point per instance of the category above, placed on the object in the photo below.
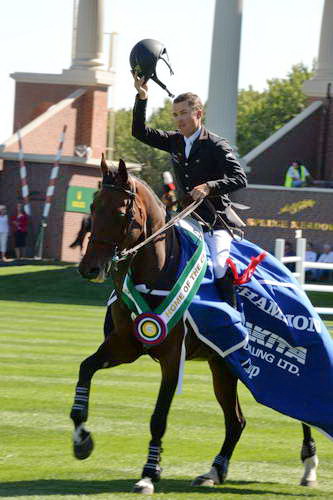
pixel 83 449
pixel 309 484
pixel 309 478
pixel 144 486
pixel 213 477
pixel 203 481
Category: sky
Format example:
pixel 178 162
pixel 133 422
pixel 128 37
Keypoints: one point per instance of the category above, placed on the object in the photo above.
pixel 36 36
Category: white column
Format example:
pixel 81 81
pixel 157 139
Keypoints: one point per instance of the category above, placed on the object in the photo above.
pixel 317 86
pixel 223 83
pixel 112 95
pixel 89 35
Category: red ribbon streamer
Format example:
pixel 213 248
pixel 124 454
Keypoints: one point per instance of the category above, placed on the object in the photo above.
pixel 249 271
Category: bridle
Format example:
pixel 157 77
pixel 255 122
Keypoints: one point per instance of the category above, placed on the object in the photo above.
pixel 121 255
pixel 129 214
pixel 131 193
pixel 126 253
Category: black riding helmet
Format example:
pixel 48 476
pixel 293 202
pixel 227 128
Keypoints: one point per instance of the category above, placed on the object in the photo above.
pixel 144 57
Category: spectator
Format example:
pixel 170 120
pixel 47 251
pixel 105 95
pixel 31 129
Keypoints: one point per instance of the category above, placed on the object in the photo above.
pixel 20 228
pixel 310 256
pixel 297 175
pixel 169 197
pixel 4 229
pixel 326 257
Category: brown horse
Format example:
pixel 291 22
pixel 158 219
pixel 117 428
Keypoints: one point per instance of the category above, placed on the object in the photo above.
pixel 125 212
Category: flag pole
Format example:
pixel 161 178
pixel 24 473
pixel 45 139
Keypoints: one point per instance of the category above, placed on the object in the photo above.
pixel 49 196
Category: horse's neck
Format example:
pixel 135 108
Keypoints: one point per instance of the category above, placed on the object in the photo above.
pixel 151 260
pixel 156 265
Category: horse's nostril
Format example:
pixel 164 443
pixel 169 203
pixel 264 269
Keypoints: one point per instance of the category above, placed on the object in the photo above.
pixel 89 273
pixel 94 272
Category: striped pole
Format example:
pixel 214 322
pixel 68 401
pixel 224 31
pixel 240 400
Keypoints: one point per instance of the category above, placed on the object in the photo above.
pixel 23 176
pixel 49 196
pixel 54 175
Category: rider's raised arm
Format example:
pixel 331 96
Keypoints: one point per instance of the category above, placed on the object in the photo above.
pixel 151 136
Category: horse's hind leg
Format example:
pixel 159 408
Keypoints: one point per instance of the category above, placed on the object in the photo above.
pixel 225 388
pixel 109 354
pixel 309 458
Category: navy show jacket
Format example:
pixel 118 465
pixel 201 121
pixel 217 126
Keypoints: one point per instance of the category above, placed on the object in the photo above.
pixel 211 160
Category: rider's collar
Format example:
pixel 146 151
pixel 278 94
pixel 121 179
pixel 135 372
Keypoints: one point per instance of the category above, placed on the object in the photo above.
pixel 193 137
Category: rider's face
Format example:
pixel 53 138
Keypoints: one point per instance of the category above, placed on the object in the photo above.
pixel 186 118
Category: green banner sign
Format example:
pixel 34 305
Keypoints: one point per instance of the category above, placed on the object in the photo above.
pixel 79 199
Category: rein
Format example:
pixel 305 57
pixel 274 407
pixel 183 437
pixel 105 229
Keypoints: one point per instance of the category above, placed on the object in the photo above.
pixel 124 254
pixel 131 193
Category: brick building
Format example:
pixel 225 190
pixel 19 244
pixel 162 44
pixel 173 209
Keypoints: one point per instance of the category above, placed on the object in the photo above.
pixel 44 103
pixel 62 224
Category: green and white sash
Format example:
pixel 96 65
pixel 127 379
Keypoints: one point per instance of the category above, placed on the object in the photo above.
pixel 152 326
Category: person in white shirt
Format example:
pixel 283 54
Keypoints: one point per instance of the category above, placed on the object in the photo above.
pixel 4 230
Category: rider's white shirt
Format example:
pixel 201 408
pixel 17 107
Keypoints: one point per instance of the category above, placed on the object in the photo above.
pixel 189 141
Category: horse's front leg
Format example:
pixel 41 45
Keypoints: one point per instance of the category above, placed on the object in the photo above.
pixel 309 458
pixel 152 470
pixel 114 351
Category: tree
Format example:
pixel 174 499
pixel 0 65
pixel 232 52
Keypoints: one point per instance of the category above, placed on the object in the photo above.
pixel 260 114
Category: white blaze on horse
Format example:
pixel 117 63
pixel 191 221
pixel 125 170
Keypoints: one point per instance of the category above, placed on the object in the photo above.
pixel 125 213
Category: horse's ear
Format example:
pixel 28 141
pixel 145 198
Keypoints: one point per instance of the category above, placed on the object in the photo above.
pixel 104 167
pixel 122 172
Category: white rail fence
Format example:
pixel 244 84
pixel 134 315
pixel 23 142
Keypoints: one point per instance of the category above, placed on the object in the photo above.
pixel 301 266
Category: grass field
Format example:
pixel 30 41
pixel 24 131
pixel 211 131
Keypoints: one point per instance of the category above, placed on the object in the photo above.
pixel 50 320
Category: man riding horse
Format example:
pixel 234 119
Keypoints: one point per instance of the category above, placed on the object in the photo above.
pixel 273 346
pixel 204 163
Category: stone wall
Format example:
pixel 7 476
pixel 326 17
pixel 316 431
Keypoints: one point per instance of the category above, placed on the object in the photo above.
pixel 279 212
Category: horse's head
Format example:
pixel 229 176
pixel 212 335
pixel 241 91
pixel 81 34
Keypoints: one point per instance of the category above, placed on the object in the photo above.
pixel 118 221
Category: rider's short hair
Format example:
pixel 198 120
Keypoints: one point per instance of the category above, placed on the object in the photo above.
pixel 193 100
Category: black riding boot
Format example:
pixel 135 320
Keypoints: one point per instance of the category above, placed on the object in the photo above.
pixel 226 288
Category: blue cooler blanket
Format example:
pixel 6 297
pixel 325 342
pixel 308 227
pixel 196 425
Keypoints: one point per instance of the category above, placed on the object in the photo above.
pixel 275 343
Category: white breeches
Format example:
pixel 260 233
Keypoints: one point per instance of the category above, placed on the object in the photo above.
pixel 3 242
pixel 219 246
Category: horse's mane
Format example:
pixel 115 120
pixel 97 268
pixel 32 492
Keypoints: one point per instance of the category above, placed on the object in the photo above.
pixel 149 188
